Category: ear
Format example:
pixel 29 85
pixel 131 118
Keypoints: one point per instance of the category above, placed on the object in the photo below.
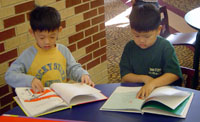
pixel 31 32
pixel 159 29
pixel 60 29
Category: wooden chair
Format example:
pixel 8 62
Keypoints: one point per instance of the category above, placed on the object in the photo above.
pixel 176 38
pixel 189 76
pixel 14 93
pixel 164 22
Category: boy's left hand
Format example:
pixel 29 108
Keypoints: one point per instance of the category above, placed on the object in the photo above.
pixel 86 79
pixel 145 91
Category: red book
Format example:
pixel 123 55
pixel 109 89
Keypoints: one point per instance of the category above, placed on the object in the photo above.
pixel 11 118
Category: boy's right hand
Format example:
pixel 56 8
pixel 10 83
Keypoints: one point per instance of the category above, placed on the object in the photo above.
pixel 37 85
pixel 145 91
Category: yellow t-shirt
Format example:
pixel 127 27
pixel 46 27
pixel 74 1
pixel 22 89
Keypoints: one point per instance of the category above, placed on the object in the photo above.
pixel 49 66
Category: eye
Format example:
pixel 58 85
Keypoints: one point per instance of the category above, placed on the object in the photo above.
pixel 52 37
pixel 147 36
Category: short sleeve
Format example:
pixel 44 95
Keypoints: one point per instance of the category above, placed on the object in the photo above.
pixel 171 64
pixel 125 66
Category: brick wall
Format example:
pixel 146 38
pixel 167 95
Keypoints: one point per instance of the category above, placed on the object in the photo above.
pixel 83 33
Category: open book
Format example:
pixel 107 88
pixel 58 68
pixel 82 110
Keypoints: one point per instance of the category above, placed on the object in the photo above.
pixel 164 100
pixel 57 97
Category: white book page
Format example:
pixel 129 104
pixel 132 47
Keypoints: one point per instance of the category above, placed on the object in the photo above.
pixel 122 89
pixel 124 99
pixel 87 98
pixel 185 110
pixel 169 96
pixel 22 107
pixel 34 114
pixel 68 91
pixel 162 112
pixel 38 103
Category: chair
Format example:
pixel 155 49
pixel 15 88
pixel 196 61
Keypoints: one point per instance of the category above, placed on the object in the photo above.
pixel 189 76
pixel 164 22
pixel 14 93
pixel 176 38
pixel 187 39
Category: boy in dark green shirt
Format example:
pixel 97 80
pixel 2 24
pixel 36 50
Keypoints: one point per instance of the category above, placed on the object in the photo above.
pixel 148 58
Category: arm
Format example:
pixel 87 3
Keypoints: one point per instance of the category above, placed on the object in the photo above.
pixel 86 79
pixel 76 72
pixel 16 75
pixel 131 77
pixel 127 67
pixel 164 80
pixel 74 69
pixel 171 72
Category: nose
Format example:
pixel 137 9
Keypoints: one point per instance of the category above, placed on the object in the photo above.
pixel 46 41
pixel 142 40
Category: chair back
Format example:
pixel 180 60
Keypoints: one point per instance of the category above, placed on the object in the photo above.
pixel 189 76
pixel 14 93
pixel 164 22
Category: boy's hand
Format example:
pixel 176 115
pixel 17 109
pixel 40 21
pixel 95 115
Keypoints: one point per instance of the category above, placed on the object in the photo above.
pixel 86 79
pixel 37 85
pixel 145 91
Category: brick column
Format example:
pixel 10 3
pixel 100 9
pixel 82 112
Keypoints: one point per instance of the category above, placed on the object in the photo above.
pixel 83 33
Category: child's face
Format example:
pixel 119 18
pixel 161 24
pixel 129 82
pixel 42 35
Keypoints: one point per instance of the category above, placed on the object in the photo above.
pixel 145 39
pixel 46 39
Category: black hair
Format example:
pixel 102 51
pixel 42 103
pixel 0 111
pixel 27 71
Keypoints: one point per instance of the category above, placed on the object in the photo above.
pixel 44 18
pixel 145 17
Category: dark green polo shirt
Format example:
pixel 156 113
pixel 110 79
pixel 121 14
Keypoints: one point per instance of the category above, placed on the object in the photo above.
pixel 154 61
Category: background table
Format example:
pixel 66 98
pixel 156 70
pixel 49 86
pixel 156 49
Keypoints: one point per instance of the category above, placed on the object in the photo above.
pixel 91 112
pixel 193 19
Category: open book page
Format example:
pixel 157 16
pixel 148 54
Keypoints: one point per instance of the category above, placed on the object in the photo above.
pixel 124 99
pixel 33 114
pixel 36 103
pixel 180 111
pixel 168 96
pixel 77 93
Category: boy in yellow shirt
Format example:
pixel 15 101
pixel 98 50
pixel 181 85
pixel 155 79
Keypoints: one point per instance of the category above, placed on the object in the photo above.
pixel 46 62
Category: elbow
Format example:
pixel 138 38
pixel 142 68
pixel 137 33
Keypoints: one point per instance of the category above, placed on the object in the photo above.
pixel 175 77
pixel 8 79
pixel 122 80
